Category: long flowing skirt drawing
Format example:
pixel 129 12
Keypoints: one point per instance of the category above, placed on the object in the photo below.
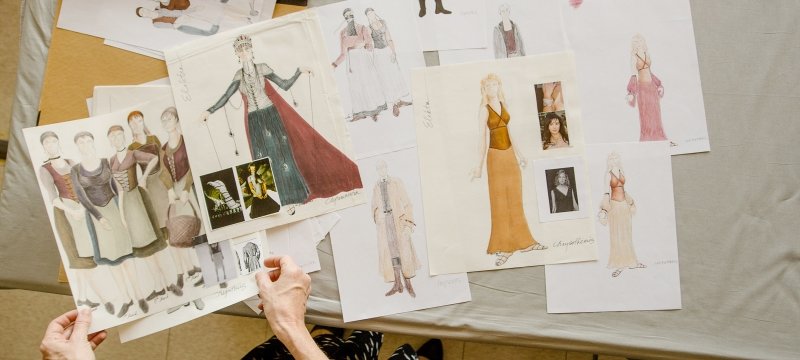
pixel 142 230
pixel 113 245
pixel 510 230
pixel 268 138
pixel 156 198
pixel 620 226
pixel 649 105
pixel 75 237
pixel 390 75
pixel 366 96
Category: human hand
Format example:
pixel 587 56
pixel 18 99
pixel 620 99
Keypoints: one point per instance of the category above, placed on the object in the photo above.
pixel 184 196
pixel 76 213
pixel 631 99
pixel 204 116
pixel 283 291
pixel 307 70
pixel 475 173
pixel 105 224
pixel 171 196
pixel 66 337
pixel 522 161
pixel 660 91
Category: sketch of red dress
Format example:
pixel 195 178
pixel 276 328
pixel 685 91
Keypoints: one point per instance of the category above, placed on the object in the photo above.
pixel 647 96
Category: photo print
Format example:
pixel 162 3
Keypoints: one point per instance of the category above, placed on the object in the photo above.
pixel 560 186
pixel 257 185
pixel 217 261
pixel 222 198
pixel 549 97
pixel 553 130
pixel 249 256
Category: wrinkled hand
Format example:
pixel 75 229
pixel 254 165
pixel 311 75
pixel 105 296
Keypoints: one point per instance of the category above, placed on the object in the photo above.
pixel 184 196
pixel 105 224
pixel 283 292
pixel 66 337
pixel 204 116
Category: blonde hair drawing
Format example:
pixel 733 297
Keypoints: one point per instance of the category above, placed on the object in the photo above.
pixel 638 43
pixel 485 82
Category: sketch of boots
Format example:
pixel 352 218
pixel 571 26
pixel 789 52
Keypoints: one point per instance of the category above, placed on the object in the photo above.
pixel 421 8
pixel 440 9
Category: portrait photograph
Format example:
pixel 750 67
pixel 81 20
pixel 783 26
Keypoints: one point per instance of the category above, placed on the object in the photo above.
pixel 257 184
pixel 560 186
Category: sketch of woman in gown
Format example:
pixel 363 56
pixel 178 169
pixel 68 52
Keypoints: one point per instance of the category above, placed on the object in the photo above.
pixel 70 220
pixel 507 39
pixel 144 140
pixel 645 91
pixel 616 210
pixel 140 219
pixel 510 232
pixel 554 134
pixel 97 192
pixel 384 55
pixel 304 164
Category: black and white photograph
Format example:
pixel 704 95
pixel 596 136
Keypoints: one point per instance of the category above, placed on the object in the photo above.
pixel 217 261
pixel 222 198
pixel 249 256
pixel 560 188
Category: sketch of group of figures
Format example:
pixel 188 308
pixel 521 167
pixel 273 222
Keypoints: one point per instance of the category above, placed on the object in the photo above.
pixel 189 17
pixel 373 71
pixel 124 211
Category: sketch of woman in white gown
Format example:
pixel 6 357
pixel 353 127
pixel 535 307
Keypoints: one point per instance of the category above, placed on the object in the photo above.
pixel 384 56
pixel 616 210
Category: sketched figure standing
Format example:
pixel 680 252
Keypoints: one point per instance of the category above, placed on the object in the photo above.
pixel 356 43
pixel 507 39
pixel 645 91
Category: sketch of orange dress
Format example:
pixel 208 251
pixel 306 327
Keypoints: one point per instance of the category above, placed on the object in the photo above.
pixel 620 213
pixel 510 230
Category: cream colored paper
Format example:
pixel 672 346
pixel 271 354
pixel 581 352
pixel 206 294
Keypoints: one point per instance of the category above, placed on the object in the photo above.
pixel 457 210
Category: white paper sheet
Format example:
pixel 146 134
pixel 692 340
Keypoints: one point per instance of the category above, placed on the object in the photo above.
pixel 143 274
pixel 363 243
pixel 651 238
pixel 374 87
pixel 135 49
pixel 456 189
pixel 461 28
pixel 119 21
pixel 202 71
pixel 536 23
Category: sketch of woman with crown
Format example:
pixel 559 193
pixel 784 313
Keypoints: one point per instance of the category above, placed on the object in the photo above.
pixel 305 165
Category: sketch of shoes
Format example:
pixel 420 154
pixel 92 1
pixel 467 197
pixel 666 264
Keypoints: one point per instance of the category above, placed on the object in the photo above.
pixel 502 258
pixel 394 290
pixel 180 281
pixel 396 110
pixel 199 283
pixel 143 305
pixel 410 288
pixel 375 117
pixel 536 246
pixel 155 294
pixel 638 266
pixel 223 285
pixel 194 270
pixel 88 303
pixel 175 290
pixel 175 308
pixel 442 10
pixel 199 304
pixel 124 309
pixel 109 308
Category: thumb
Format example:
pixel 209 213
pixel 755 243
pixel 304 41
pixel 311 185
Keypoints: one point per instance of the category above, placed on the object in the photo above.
pixel 80 330
pixel 262 280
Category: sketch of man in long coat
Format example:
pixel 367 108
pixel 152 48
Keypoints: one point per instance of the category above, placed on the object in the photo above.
pixel 394 220
pixel 356 44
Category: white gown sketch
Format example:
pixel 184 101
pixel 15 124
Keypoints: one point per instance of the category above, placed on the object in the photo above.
pixel 386 63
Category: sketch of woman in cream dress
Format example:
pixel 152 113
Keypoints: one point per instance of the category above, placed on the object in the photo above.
pixel 384 56
pixel 616 210
pixel 645 91
pixel 510 232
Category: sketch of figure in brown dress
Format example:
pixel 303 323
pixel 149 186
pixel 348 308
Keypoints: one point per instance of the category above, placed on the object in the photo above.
pixel 144 140
pixel 510 232
pixel 616 210
pixel 393 215
pixel 70 220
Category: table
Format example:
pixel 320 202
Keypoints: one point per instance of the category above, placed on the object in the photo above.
pixel 736 206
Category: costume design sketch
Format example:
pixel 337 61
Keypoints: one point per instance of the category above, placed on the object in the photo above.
pixel 553 128
pixel 356 45
pixel 507 39
pixel 306 166
pixel 393 215
pixel 256 183
pixel 248 257
pixel 384 55
pixel 645 91
pixel 145 141
pixel 562 196
pixel 216 261
pixel 510 232
pixel 184 20
pixel 221 198
pixel 616 210
pixel 439 8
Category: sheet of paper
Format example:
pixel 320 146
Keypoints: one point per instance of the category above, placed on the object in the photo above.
pixel 483 126
pixel 158 25
pixel 374 55
pixel 106 99
pixel 135 49
pixel 237 105
pixel 379 247
pixel 449 24
pixel 634 212
pixel 127 248
pixel 515 28
pixel 640 80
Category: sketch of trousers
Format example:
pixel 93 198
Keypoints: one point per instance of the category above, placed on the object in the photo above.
pixel 366 96
pixel 390 75
pixel 393 218
pixel 219 266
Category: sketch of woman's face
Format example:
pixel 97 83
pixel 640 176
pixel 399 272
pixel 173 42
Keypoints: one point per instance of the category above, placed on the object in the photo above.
pixel 85 146
pixel 137 125
pixel 554 127
pixel 492 88
pixel 614 161
pixel 117 139
pixel 169 122
pixel 51 147
pixel 245 53
pixel 562 178
pixel 504 11
pixel 372 17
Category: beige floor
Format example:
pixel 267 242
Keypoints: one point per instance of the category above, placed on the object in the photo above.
pixel 25 314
